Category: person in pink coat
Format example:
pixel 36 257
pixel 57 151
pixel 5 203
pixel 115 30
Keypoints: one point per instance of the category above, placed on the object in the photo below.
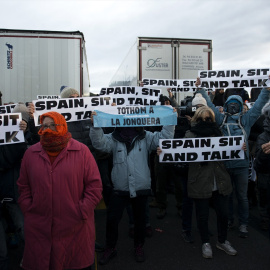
pixel 59 188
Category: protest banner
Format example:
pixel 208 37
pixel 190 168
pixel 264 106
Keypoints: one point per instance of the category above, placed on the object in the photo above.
pixel 237 78
pixel 129 116
pixel 7 108
pixel 73 109
pixel 132 95
pixel 201 149
pixel 187 85
pixel 76 109
pixel 9 128
pixel 47 96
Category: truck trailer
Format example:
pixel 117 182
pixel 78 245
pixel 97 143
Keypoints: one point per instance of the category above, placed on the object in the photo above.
pixel 164 58
pixel 37 62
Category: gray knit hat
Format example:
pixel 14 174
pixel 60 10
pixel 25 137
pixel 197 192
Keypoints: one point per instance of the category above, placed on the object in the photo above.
pixel 266 110
pixel 199 100
pixel 21 108
pixel 68 91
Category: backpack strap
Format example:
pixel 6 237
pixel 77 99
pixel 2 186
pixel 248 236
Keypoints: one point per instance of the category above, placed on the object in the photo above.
pixel 224 122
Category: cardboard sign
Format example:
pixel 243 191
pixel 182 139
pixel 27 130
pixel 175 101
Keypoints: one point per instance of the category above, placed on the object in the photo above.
pixel 187 85
pixel 9 128
pixel 201 149
pixel 73 109
pixel 47 96
pixel 132 95
pixel 237 78
pixel 7 108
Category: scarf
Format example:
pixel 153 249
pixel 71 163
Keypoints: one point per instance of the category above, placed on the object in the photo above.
pixel 206 129
pixel 54 144
pixel 128 134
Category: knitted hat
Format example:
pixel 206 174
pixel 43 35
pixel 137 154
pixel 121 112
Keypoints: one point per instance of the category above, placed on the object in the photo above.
pixel 58 119
pixel 62 88
pixel 21 108
pixel 68 91
pixel 199 100
pixel 266 110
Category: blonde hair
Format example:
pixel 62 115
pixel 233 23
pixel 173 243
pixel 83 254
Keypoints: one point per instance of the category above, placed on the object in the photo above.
pixel 200 113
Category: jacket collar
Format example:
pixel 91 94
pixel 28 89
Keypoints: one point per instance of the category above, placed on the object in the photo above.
pixel 71 146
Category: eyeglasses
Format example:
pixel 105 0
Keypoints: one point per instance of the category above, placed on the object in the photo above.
pixel 206 119
pixel 50 126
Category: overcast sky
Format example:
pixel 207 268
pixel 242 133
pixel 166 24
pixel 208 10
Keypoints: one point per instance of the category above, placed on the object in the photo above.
pixel 239 29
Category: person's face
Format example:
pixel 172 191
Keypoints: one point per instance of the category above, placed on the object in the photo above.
pixel 167 102
pixel 74 96
pixel 48 123
pixel 233 108
pixel 245 109
pixel 206 117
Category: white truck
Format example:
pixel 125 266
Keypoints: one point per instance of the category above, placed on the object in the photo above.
pixel 164 58
pixel 36 63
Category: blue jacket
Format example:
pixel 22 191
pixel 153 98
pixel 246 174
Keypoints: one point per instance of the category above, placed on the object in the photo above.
pixel 231 127
pixel 130 173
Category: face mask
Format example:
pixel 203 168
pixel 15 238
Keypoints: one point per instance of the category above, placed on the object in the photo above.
pixel 233 108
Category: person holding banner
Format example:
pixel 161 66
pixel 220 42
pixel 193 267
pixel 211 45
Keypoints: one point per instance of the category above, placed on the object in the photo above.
pixel 232 123
pixel 59 188
pixel 10 163
pixel 262 165
pixel 181 168
pixel 130 147
pixel 209 180
pixel 165 173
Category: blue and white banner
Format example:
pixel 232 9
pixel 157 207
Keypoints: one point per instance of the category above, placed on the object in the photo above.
pixel 119 116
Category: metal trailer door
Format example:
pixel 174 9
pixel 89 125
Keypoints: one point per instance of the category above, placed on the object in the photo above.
pixel 192 57
pixel 156 59
pixel 38 64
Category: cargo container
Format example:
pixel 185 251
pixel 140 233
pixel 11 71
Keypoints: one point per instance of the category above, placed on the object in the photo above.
pixel 35 62
pixel 163 58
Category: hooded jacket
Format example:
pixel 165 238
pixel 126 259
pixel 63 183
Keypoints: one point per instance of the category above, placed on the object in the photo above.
pixel 130 173
pixel 231 127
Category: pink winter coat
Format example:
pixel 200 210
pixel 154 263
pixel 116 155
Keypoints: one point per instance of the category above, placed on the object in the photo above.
pixel 58 203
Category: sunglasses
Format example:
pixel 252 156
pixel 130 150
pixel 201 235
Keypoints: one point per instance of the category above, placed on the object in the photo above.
pixel 206 119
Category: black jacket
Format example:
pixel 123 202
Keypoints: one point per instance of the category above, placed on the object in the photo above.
pixel 262 161
pixel 10 164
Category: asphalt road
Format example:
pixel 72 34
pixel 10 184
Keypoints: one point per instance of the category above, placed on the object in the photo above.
pixel 166 249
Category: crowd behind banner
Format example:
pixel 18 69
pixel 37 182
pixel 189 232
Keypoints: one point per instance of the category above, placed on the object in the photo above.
pixel 215 139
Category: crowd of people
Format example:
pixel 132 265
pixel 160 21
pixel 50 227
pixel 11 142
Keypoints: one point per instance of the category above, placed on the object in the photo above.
pixel 51 183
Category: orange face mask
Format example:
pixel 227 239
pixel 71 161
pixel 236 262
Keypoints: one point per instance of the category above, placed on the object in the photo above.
pixel 59 120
